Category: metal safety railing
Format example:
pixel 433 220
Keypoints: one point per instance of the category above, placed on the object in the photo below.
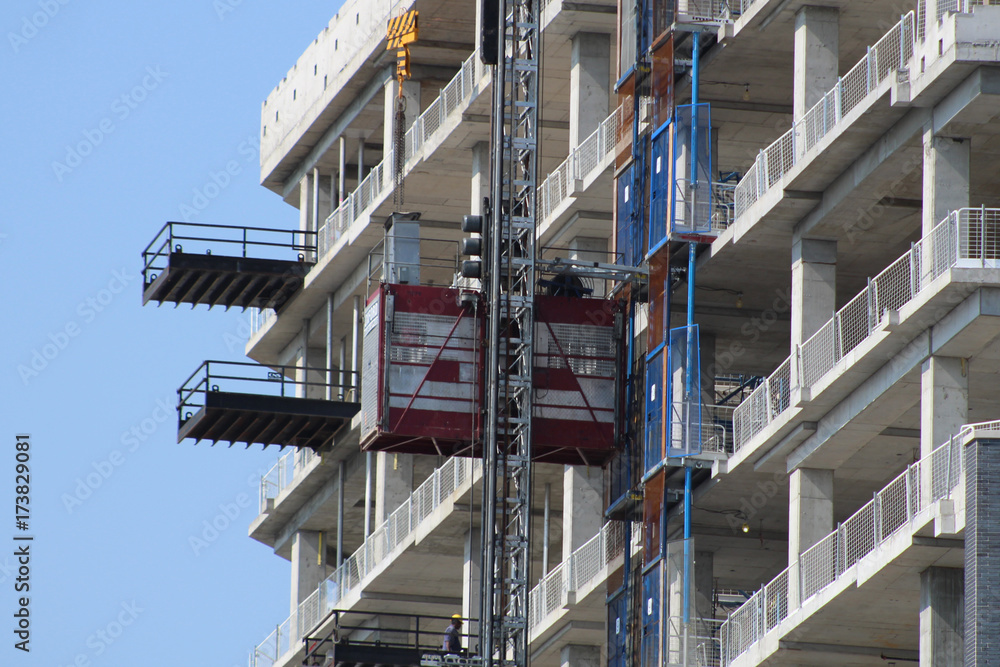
pixel 969 237
pixel 880 62
pixel 251 378
pixel 591 157
pixel 282 475
pixel 889 512
pixel 229 240
pixel 587 563
pixel 453 97
pixel 373 553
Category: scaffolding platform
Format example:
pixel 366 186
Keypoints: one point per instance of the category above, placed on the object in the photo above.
pixel 287 406
pixel 221 265
pixel 357 639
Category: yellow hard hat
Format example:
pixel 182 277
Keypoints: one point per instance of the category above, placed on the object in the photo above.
pixel 457 617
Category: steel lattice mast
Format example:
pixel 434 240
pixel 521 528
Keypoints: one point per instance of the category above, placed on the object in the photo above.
pixel 510 297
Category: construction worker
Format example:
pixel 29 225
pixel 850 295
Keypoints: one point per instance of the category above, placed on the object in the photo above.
pixel 452 642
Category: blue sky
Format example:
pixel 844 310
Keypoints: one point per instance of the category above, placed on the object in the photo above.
pixel 115 115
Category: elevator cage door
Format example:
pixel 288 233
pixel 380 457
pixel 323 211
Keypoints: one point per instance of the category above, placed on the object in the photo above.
pixel 628 250
pixel 422 360
pixel 652 596
pixel 692 206
pixel 575 368
pixel 684 393
pixel 660 180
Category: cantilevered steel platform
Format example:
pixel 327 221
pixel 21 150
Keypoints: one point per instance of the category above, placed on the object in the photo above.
pixel 245 270
pixel 212 407
pixel 383 640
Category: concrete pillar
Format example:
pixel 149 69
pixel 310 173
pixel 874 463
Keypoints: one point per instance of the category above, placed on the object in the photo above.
pixel 480 176
pixel 817 56
pixel 942 617
pixel 946 177
pixel 411 93
pixel 591 249
pixel 308 565
pixel 472 580
pixel 814 286
pixel 810 518
pixel 583 506
pixel 580 655
pixel 944 400
pixel 706 348
pixel 704 584
pixel 322 198
pixel 982 552
pixel 342 171
pixel 393 483
pixel 589 84
pixel 306 202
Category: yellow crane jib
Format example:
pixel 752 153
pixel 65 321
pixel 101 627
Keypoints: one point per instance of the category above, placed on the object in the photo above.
pixel 401 32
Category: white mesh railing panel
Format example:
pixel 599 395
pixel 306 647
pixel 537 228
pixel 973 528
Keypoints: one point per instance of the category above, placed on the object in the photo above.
pixel 890 511
pixel 880 62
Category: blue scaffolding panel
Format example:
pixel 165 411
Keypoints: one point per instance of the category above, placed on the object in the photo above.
pixel 659 187
pixel 691 209
pixel 626 229
pixel 654 409
pixel 684 382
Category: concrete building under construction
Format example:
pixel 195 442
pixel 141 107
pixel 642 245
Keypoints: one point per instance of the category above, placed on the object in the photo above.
pixel 764 369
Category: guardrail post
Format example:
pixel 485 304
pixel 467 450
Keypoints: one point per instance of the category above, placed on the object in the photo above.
pixel 876 514
pixel 839 97
pixel 872 306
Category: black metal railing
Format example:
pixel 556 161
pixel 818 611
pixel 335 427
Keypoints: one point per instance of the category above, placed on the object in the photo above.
pixel 421 633
pixel 250 378
pixel 228 240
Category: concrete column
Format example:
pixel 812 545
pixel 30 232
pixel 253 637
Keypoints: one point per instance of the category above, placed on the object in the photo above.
pixel 393 483
pixel 814 286
pixel 308 565
pixel 589 84
pixel 361 159
pixel 480 176
pixel 472 580
pixel 942 617
pixel 591 249
pixel 704 584
pixel 583 506
pixel 944 400
pixel 411 93
pixel 306 202
pixel 982 552
pixel 706 347
pixel 817 55
pixel 810 518
pixel 580 655
pixel 946 177
pixel 342 171
pixel 331 370
pixel 322 198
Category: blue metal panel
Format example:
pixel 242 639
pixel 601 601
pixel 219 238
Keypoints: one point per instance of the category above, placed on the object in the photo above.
pixel 624 232
pixel 692 210
pixel 659 188
pixel 617 630
pixel 684 385
pixel 654 409
pixel 651 602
